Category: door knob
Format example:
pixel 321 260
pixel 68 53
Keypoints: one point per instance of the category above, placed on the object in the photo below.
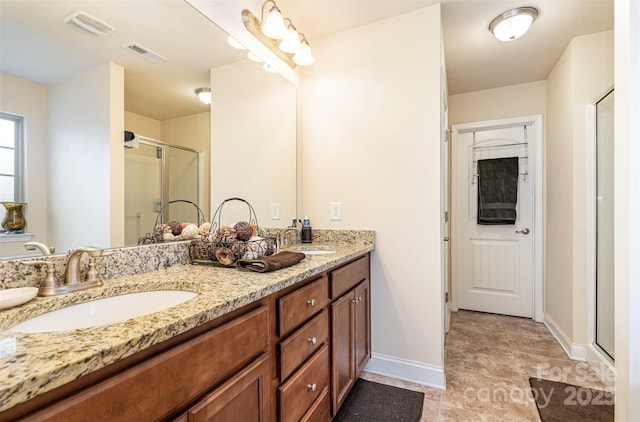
pixel 523 231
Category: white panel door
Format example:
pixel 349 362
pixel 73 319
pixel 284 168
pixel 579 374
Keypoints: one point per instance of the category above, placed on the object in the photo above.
pixel 492 265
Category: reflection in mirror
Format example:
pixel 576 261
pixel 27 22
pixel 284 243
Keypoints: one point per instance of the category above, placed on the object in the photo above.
pixel 78 92
pixel 605 286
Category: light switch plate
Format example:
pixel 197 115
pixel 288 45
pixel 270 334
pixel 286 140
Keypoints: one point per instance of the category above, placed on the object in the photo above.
pixel 336 211
pixel 275 211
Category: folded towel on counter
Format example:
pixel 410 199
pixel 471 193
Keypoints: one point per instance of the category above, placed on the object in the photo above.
pixel 271 263
pixel 497 190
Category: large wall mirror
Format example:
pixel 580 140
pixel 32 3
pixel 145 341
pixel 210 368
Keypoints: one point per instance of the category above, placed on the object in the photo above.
pixel 77 92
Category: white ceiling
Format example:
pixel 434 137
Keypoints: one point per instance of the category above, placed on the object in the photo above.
pixel 475 60
pixel 37 45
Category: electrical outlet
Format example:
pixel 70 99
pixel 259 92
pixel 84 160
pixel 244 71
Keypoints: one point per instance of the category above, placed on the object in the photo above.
pixel 275 211
pixel 336 211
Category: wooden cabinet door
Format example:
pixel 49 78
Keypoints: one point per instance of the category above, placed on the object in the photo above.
pixel 245 397
pixel 342 347
pixel 361 314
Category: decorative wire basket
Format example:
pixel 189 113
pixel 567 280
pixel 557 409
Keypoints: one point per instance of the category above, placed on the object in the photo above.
pixel 157 234
pixel 224 245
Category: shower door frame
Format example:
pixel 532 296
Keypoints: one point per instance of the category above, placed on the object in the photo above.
pixel 164 187
pixel 599 360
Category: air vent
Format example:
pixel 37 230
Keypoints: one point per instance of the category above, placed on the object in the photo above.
pixel 144 52
pixel 90 23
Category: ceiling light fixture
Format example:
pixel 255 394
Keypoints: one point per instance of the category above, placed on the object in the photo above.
pixel 513 23
pixel 279 34
pixel 204 95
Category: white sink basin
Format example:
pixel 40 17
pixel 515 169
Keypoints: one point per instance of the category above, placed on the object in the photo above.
pixel 313 250
pixel 103 311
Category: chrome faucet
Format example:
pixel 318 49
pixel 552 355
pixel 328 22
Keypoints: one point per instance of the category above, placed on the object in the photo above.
pixel 280 239
pixel 44 249
pixel 72 274
pixel 72 282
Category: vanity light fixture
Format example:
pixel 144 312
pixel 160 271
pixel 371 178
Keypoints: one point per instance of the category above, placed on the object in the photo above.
pixel 279 34
pixel 234 43
pixel 204 95
pixel 268 68
pixel 274 26
pixel 513 23
pixel 253 57
pixel 304 57
pixel 291 41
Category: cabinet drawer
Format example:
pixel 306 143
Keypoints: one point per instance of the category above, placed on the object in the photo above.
pixel 344 278
pixel 305 386
pixel 306 340
pixel 297 307
pixel 242 398
pixel 166 383
pixel 321 409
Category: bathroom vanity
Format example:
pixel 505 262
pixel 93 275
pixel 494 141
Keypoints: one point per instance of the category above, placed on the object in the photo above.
pixel 281 346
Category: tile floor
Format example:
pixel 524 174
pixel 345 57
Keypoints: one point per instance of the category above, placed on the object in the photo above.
pixel 489 359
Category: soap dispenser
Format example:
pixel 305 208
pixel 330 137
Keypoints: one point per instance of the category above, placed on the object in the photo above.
pixel 306 230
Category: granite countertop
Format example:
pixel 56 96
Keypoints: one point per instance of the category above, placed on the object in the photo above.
pixel 31 364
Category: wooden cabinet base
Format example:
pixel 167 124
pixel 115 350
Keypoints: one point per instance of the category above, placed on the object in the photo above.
pixel 242 398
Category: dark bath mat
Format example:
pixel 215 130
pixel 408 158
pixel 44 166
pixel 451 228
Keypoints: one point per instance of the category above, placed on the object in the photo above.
pixel 560 402
pixel 371 402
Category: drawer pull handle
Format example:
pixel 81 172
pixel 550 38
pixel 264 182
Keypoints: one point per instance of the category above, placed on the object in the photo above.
pixel 312 340
pixel 311 387
pixel 311 302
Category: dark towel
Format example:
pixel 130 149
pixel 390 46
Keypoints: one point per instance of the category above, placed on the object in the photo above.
pixel 271 263
pixel 497 190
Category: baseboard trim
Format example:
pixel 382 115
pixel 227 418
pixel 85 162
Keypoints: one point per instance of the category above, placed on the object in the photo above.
pixel 602 366
pixel 406 370
pixel 573 351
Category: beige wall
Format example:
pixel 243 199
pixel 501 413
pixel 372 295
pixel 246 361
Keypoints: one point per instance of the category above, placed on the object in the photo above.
pixel 584 73
pixel 499 103
pixel 253 142
pixel 29 99
pixel 86 154
pixel 371 140
pixel 143 125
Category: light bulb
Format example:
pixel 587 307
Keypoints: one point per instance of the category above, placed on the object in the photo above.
pixel 513 28
pixel 291 41
pixel 204 95
pixel 513 24
pixel 304 57
pixel 273 25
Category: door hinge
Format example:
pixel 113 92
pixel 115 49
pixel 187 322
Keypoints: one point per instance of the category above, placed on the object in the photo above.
pixel 446 297
pixel 158 152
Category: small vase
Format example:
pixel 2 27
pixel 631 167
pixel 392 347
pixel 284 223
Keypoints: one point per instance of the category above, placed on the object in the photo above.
pixel 14 221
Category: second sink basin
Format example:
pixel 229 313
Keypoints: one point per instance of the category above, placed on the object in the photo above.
pixel 108 310
pixel 313 250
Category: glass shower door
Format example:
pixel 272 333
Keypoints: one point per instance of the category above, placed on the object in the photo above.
pixel 156 173
pixel 143 189
pixel 605 322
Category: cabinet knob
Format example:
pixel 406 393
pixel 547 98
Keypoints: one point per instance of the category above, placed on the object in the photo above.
pixel 312 340
pixel 311 302
pixel 357 300
pixel 311 387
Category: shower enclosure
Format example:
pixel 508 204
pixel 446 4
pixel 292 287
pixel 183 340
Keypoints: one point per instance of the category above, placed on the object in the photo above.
pixel 156 173
pixel 605 323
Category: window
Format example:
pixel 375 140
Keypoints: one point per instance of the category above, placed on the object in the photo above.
pixel 11 153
